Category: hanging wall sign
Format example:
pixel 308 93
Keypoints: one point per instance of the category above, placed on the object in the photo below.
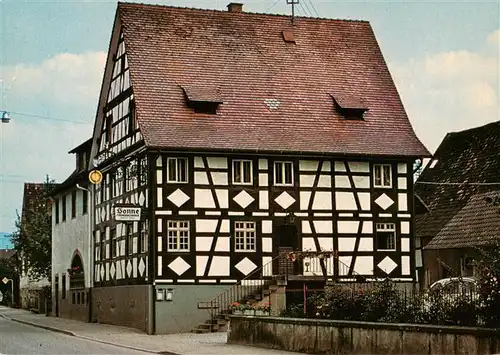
pixel 127 213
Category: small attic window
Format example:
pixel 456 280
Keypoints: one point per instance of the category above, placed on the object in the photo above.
pixel 202 100
pixel 288 36
pixel 350 107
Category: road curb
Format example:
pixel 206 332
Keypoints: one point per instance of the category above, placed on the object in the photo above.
pixel 125 346
pixel 46 327
pixel 67 332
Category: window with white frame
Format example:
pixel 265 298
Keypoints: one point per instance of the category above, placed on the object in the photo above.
pixel 143 236
pixel 177 170
pixel 283 173
pixel 382 175
pixel 386 236
pixel 178 235
pixel 244 235
pixel 242 172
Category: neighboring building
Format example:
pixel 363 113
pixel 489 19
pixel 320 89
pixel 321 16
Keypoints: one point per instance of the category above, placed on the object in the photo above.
pixel 219 125
pixel 7 271
pixel 71 270
pixel 5 242
pixel 31 295
pixel 459 186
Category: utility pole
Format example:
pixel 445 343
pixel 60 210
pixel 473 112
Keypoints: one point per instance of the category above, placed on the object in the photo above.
pixel 293 3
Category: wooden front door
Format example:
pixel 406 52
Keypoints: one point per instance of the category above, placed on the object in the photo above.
pixel 287 238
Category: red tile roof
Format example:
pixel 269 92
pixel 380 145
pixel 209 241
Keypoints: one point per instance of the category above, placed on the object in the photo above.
pixel 33 194
pixel 244 58
pixel 476 224
pixel 6 253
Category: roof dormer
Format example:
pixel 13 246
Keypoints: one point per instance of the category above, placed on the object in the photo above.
pixel 82 153
pixel 202 99
pixel 349 106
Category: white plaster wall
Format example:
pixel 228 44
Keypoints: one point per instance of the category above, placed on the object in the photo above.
pixel 26 282
pixel 68 236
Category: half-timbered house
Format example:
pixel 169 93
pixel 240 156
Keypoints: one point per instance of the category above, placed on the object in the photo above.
pixel 239 136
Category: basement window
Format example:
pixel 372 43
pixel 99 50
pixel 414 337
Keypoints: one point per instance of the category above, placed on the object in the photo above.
pixel 349 106
pixel 202 99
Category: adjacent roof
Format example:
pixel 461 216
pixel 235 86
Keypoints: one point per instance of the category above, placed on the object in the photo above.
pixel 78 176
pixel 244 58
pixel 470 156
pixel 476 224
pixel 85 146
pixel 6 253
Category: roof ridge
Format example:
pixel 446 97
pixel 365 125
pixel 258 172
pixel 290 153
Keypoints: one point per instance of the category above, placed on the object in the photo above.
pixel 120 4
pixel 477 128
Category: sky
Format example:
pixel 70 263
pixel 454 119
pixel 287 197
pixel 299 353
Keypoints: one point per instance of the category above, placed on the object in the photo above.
pixel 444 57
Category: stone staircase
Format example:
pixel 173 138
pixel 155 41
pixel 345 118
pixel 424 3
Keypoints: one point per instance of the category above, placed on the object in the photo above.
pixel 218 322
pixel 255 289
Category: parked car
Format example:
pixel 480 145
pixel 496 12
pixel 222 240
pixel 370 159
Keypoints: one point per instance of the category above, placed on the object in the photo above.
pixel 448 290
pixel 453 287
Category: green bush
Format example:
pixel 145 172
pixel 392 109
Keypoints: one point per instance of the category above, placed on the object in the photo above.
pixel 488 266
pixel 383 302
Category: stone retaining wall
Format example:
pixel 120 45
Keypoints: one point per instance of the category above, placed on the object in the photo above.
pixel 317 336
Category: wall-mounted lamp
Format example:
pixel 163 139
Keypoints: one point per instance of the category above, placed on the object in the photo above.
pixel 290 218
pixel 5 117
pixel 170 294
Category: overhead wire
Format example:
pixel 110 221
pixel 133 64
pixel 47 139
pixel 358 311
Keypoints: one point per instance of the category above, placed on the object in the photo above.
pixel 314 7
pixel 310 13
pixel 273 5
pixel 303 9
pixel 46 117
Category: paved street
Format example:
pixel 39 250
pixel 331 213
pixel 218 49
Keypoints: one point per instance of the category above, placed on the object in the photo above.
pixel 93 338
pixel 17 338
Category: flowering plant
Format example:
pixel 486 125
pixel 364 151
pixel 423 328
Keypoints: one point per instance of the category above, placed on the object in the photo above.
pixel 240 306
pixel 265 307
pixel 74 270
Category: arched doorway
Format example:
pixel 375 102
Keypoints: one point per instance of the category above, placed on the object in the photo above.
pixel 76 272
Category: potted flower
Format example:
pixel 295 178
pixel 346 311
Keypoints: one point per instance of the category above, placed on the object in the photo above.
pixel 249 310
pixel 263 309
pixel 237 308
pixel 74 271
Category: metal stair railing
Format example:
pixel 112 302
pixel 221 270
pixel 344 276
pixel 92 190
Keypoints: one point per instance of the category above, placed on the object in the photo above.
pixel 251 285
pixel 240 291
